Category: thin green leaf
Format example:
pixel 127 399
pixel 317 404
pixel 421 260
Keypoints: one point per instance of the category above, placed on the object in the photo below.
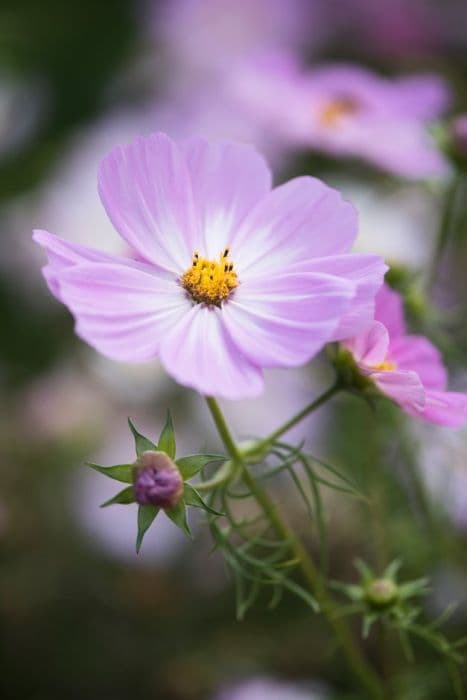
pixel 142 444
pixel 167 438
pixel 119 472
pixel 392 569
pixel 192 498
pixel 177 514
pixel 146 515
pixel 123 497
pixel 192 464
pixel 364 570
pixel 301 593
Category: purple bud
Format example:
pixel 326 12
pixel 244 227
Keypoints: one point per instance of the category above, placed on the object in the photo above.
pixel 157 480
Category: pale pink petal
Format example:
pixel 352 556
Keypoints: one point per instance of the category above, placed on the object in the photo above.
pixel 404 148
pixel 367 271
pixel 285 321
pixel 62 254
pixel 370 347
pixel 227 180
pixel 390 311
pixel 146 190
pixel 299 220
pixel 447 408
pixel 416 353
pixel 403 387
pixel 121 311
pixel 424 97
pixel 199 353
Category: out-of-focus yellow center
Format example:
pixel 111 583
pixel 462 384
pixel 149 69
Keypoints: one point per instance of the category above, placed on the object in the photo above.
pixel 210 281
pixel 385 366
pixel 333 112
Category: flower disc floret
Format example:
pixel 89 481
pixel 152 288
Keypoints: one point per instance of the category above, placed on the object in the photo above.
pixel 210 281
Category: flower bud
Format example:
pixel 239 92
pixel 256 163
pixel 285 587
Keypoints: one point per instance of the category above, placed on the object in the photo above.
pixel 381 592
pixel 157 480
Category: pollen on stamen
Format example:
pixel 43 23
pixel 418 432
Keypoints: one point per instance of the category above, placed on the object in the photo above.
pixel 210 281
pixel 385 366
pixel 338 108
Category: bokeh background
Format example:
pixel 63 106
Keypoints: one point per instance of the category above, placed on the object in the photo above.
pixel 81 615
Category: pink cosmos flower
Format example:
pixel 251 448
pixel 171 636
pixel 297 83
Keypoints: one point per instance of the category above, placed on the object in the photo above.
pixel 228 276
pixel 407 368
pixel 347 110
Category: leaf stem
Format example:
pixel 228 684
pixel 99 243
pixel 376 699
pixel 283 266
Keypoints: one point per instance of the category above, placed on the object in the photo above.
pixel 356 661
pixel 445 226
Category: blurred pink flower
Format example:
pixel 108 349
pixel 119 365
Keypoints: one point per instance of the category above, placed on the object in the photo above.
pixel 407 368
pixel 263 688
pixel 232 277
pixel 347 110
pixel 204 38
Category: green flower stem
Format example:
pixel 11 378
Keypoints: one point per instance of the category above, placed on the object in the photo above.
pixel 445 226
pixel 356 661
pixel 325 396
pixel 224 475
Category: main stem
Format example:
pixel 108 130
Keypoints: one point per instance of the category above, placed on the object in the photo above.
pixel 357 663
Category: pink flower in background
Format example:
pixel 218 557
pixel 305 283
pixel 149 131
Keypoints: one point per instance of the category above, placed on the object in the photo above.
pixel 347 110
pixel 230 276
pixel 204 38
pixel 263 688
pixel 407 368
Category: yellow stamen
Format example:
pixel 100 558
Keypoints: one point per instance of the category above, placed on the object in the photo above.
pixel 332 113
pixel 210 281
pixel 385 366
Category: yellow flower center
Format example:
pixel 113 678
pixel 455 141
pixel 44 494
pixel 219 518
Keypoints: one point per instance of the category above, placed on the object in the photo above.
pixel 332 113
pixel 210 281
pixel 385 366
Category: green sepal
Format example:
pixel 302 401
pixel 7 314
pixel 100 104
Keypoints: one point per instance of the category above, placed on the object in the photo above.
pixel 189 466
pixel 177 514
pixel 167 438
pixel 119 472
pixel 123 497
pixel 146 516
pixel 142 444
pixel 192 498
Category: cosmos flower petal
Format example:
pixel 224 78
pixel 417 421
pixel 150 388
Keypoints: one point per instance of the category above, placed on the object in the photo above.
pixel 448 408
pixel 62 254
pixel 227 181
pixel 302 219
pixel 414 375
pixel 405 388
pixel 417 353
pixel 121 311
pixel 390 311
pixel 367 271
pixel 146 190
pixel 422 97
pixel 371 346
pixel 199 353
pixel 405 149
pixel 286 321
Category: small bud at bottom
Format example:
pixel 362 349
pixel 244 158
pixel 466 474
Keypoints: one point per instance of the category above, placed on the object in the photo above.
pixel 382 592
pixel 157 480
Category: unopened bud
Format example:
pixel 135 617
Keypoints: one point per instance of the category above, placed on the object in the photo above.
pixel 382 592
pixel 157 480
